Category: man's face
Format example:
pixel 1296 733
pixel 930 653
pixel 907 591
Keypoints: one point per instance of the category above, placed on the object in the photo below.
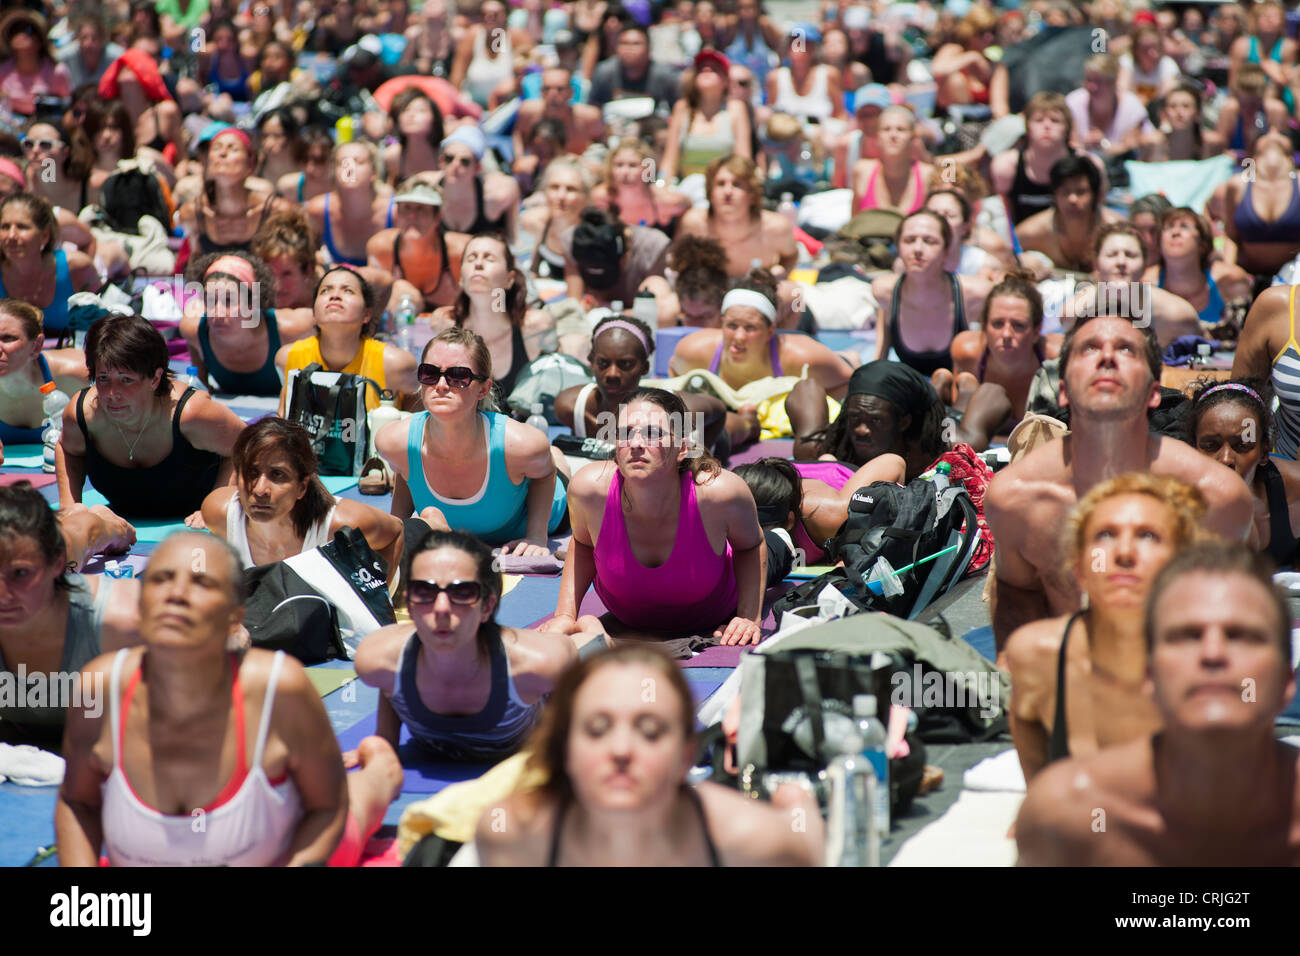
pixel 1216 663
pixel 633 50
pixel 556 91
pixel 1108 376
pixel 872 426
pixel 1074 197
pixel 1046 128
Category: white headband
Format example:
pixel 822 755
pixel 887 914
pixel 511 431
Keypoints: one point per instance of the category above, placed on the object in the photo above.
pixel 752 299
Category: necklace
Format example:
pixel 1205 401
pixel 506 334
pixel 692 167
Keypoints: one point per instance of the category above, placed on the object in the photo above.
pixel 130 451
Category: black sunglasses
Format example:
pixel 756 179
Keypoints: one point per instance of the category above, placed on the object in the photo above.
pixel 464 593
pixel 449 160
pixel 458 376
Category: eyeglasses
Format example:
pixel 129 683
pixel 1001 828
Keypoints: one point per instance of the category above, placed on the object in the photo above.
pixel 29 28
pixel 458 376
pixel 449 160
pixel 48 145
pixel 463 593
pixel 261 11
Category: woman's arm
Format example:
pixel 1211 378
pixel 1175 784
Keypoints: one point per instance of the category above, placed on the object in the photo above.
pixel 673 148
pixel 749 561
pixel 464 52
pixel 70 458
pixel 883 289
pixel 539 469
pixel 580 562
pixel 741 133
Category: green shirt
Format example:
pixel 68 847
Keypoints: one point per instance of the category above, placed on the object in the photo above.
pixel 194 14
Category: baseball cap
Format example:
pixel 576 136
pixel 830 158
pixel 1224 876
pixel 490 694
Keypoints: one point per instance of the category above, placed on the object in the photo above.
pixel 873 94
pixel 709 57
pixel 425 194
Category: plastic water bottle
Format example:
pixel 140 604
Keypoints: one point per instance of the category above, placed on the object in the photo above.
pixel 387 411
pixel 852 836
pixel 646 309
pixel 942 476
pixel 192 379
pixel 404 320
pixel 1203 353
pixel 538 419
pixel 805 170
pixel 873 735
pixel 53 402
pixel 787 209
pixel 617 306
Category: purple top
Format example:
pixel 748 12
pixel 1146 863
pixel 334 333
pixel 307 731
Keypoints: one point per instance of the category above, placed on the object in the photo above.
pixel 774 353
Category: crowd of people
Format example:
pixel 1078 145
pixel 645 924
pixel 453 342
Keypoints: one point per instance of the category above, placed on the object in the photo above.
pixel 694 202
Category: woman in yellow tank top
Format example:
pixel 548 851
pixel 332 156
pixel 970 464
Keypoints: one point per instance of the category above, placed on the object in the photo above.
pixel 346 321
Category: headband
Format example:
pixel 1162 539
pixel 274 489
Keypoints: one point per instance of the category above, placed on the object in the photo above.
pixel 233 266
pixel 1231 386
pixel 752 299
pixel 235 131
pixel 626 327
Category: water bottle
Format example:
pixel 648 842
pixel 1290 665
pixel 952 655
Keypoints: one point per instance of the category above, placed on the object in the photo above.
pixel 852 837
pixel 616 306
pixel 1203 352
pixel 786 208
pixel 942 476
pixel 805 170
pixel 118 569
pixel 387 411
pixel 646 309
pixel 538 419
pixel 192 379
pixel 872 732
pixel 404 320
pixel 53 402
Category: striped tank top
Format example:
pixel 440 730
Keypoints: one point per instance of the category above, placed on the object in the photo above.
pixel 1286 383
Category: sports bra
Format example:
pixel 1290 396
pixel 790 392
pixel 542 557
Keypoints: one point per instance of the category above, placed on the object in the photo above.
pixel 17 434
pixel 207 245
pixel 1058 746
pixel 482 224
pixel 237 532
pixel 421 282
pixel 869 200
pixel 174 488
pixel 774 356
pixel 54 317
pixel 265 381
pixel 1275 54
pixel 252 821
pixel 1213 310
pixel 81 645
pixel 927 363
pixel 547 264
pixel 494 732
pixel 553 858
pixel 335 253
pixel 1027 196
pixel 1282 543
pixel 1251 227
pixel 505 384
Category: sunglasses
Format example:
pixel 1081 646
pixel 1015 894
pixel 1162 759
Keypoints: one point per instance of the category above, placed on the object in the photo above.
pixel 261 11
pixel 463 593
pixel 458 376
pixel 48 145
pixel 448 160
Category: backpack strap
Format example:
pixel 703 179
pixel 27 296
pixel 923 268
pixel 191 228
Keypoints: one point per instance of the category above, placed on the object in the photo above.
pixel 805 669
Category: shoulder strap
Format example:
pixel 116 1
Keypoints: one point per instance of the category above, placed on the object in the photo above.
pixel 1059 744
pixel 268 703
pixel 553 858
pixel 958 305
pixel 81 395
pixel 180 407
pixel 115 705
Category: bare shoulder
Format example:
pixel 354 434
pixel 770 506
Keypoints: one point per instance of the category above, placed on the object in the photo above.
pixel 215 509
pixel 522 439
pixel 752 833
pixel 540 654
pixel 723 487
pixel 698 344
pixel 1039 224
pixel 1033 647
pixel 1037 478
pixel 379 650
pixel 694 222
pixel 882 286
pixel 592 480
pixel 516 832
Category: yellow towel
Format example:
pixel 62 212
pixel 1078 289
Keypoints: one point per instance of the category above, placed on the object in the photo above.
pixel 776 424
pixel 766 394
pixel 453 813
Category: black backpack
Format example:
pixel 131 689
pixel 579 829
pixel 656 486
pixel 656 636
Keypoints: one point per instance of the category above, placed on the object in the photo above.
pixel 130 193
pixel 907 526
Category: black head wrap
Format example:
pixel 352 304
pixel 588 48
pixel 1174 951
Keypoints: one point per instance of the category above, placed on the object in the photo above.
pixel 901 385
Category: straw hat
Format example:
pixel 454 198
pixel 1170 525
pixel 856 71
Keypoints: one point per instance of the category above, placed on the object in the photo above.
pixel 12 18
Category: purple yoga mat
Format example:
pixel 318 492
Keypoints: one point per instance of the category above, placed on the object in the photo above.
pixel 772 448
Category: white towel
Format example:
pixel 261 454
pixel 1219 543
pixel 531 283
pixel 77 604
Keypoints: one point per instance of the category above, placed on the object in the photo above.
pixel 972 833
pixel 1002 773
pixel 30 766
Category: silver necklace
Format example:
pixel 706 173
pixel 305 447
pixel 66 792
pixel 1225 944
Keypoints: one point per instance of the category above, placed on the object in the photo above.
pixel 130 451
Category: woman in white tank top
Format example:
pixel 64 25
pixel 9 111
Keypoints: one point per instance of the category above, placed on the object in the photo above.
pixel 824 96
pixel 185 715
pixel 280 508
pixel 485 57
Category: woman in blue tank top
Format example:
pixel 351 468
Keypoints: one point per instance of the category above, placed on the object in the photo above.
pixel 459 466
pixel 25 367
pixel 463 686
pixel 33 267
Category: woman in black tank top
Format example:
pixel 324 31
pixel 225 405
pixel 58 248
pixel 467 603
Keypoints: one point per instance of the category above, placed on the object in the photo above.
pixel 1231 423
pixel 1080 676
pixel 221 217
pixel 614 759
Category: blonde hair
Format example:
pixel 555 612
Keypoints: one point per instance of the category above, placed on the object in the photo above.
pixel 627 143
pixel 745 172
pixel 1185 501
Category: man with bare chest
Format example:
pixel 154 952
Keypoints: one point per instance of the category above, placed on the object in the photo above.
pixel 1214 788
pixel 735 217
pixel 1110 378
pixel 582 123
pixel 1066 232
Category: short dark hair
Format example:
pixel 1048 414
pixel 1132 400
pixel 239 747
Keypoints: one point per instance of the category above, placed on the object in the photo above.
pixel 777 489
pixel 487 571
pixel 291 439
pixel 131 343
pixel 24 513
pixel 1154 364
pixel 1222 558
pixel 1068 167
pixel 372 324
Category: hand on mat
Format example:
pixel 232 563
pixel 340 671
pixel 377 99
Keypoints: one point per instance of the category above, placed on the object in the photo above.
pixel 196 521
pixel 117 535
pixel 524 548
pixel 740 631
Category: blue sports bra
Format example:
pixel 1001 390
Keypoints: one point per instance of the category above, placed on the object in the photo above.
pixel 55 315
pixel 16 434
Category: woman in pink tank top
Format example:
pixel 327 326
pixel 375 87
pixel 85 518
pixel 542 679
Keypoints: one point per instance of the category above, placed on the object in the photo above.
pixel 908 178
pixel 192 730
pixel 671 542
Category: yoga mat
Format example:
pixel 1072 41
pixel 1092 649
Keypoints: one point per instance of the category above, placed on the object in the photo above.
pixel 723 655
pixel 26 821
pixel 772 448
pixel 328 680
pixel 981 638
pixel 24 456
pixel 37 481
pixel 335 484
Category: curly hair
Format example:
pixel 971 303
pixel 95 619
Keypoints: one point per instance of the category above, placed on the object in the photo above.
pixel 287 233
pixel 1185 502
pixel 701 266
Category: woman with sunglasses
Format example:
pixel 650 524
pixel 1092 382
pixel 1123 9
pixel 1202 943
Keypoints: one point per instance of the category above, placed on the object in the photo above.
pixel 58 166
pixel 461 466
pixel 279 508
pixel 514 333
pixel 476 202
pixel 27 65
pixel 347 318
pixel 670 541
pixel 32 266
pixel 465 687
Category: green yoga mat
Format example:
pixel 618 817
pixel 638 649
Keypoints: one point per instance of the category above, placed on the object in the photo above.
pixel 327 680
pixel 24 456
